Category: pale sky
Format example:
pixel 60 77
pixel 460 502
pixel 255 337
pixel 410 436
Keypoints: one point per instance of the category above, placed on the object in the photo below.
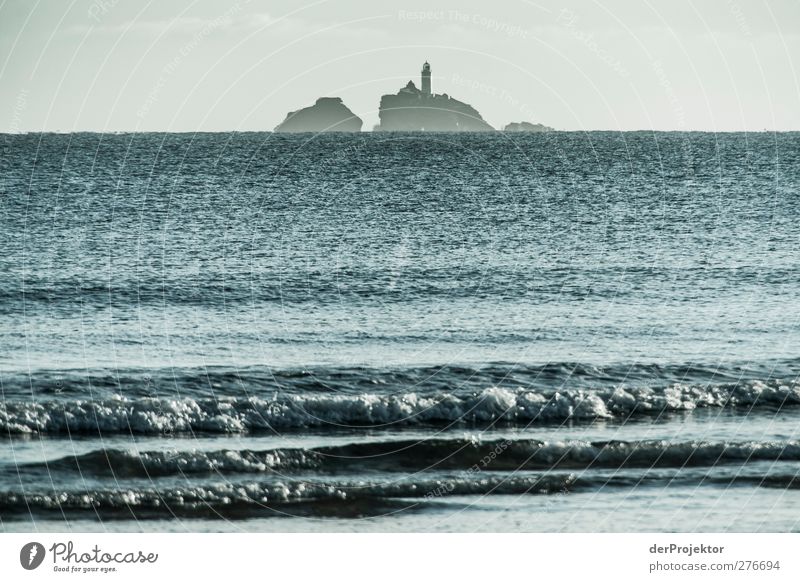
pixel 205 65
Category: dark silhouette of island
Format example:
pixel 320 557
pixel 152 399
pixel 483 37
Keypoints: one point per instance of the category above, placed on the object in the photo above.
pixel 527 127
pixel 326 115
pixel 413 109
pixel 410 109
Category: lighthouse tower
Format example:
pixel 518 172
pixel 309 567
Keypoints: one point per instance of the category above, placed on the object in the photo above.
pixel 426 79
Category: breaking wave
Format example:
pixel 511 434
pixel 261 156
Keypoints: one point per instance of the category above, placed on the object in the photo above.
pixel 349 499
pixel 346 499
pixel 429 455
pixel 286 412
pixel 216 381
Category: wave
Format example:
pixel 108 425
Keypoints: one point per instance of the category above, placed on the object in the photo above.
pixel 770 481
pixel 256 380
pixel 286 412
pixel 338 499
pixel 427 455
pixel 349 499
pixel 139 285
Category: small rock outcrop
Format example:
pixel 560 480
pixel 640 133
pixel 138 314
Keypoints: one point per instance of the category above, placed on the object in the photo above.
pixel 328 114
pixel 527 127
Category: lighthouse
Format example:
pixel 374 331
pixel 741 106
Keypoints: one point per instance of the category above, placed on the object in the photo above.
pixel 426 79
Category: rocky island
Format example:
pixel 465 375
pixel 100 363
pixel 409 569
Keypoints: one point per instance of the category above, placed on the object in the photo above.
pixel 413 109
pixel 327 114
pixel 410 109
pixel 524 126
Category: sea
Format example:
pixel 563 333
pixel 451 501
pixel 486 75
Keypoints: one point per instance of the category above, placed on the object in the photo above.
pixel 544 332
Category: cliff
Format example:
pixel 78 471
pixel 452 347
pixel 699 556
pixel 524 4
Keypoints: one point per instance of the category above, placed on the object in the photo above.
pixel 412 110
pixel 327 114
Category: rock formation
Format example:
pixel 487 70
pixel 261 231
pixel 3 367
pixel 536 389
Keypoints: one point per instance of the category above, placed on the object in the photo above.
pixel 527 127
pixel 327 114
pixel 412 109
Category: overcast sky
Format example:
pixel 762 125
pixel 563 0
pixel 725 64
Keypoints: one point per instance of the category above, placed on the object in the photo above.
pixel 205 65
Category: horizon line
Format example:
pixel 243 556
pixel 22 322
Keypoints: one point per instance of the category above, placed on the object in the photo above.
pixel 383 132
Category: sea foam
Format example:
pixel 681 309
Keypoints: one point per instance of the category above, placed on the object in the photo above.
pixel 284 412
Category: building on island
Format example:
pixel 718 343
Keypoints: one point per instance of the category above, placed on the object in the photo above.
pixel 426 79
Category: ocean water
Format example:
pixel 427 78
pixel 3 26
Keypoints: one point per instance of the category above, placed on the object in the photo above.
pixel 400 332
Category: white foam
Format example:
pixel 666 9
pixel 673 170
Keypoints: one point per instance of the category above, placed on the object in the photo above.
pixel 286 412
